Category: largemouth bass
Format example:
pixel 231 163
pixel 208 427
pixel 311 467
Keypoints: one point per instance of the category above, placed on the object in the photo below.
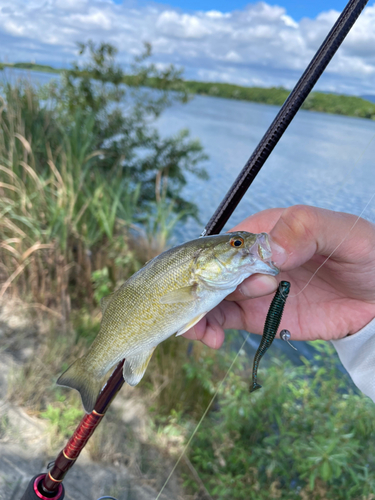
pixel 170 294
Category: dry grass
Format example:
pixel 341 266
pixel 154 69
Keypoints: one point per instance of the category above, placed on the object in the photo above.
pixel 57 224
pixel 126 436
pixel 32 384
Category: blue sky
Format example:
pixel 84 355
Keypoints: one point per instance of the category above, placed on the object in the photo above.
pixel 295 9
pixel 254 44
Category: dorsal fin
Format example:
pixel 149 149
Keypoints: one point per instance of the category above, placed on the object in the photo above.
pixel 104 301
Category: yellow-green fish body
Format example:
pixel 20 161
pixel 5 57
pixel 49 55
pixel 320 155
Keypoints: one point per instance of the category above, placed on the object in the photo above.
pixel 170 294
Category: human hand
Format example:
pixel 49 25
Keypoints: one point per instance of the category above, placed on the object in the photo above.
pixel 340 299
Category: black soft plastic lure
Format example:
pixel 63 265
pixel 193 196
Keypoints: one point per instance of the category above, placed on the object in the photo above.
pixel 270 328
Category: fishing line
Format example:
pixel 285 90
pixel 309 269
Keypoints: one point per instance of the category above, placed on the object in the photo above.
pixel 202 418
pixel 354 224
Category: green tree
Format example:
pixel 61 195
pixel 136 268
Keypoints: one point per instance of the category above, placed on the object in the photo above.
pixel 124 119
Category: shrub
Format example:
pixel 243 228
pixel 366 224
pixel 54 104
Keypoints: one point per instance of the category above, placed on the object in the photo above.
pixel 82 173
pixel 304 435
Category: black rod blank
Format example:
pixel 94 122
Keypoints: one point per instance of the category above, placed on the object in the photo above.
pixel 286 114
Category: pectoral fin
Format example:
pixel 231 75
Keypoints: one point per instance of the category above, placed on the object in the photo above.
pixel 191 323
pixel 185 294
pixel 135 367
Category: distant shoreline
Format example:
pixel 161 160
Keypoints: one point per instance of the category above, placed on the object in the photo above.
pixel 317 101
pixel 44 68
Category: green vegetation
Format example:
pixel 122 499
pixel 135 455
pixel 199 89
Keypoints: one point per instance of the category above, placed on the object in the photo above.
pixel 304 435
pixel 316 101
pixel 44 68
pixel 86 183
pixel 63 419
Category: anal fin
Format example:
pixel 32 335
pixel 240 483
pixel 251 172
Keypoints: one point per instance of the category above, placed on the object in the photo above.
pixel 191 323
pixel 135 367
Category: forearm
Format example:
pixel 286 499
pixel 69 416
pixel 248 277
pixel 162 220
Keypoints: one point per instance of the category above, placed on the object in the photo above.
pixel 357 354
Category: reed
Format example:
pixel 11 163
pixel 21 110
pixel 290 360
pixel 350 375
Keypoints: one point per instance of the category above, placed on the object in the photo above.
pixel 55 221
pixel 86 185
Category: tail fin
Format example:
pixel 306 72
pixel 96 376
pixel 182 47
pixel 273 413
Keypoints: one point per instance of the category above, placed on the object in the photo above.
pixel 77 377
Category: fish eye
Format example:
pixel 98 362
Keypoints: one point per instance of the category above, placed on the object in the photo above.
pixel 237 242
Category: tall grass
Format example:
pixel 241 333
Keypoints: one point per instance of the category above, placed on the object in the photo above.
pixel 61 218
pixel 87 185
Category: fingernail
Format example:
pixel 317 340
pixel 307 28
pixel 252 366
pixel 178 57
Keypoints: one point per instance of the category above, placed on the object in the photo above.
pixel 279 254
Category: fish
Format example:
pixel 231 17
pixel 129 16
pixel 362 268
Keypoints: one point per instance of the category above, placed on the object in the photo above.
pixel 169 295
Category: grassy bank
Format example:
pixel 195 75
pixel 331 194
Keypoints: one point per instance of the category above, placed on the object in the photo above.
pixel 316 101
pixel 89 191
pixel 304 436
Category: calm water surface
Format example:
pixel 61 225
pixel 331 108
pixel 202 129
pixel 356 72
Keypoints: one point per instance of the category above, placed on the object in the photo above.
pixel 322 160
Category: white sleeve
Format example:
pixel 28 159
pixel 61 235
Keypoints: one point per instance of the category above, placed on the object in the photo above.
pixel 357 354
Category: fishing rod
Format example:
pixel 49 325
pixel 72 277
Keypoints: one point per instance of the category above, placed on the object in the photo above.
pixel 49 485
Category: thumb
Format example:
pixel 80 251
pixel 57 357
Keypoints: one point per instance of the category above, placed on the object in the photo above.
pixel 303 231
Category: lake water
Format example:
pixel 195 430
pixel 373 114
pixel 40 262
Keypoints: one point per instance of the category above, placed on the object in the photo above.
pixel 322 160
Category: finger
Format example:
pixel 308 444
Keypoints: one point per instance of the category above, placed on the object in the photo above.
pixel 257 285
pixel 304 231
pixel 229 315
pixel 261 222
pixel 209 331
pixel 298 232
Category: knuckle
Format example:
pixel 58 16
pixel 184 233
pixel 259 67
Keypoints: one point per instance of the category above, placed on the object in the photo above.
pixel 301 220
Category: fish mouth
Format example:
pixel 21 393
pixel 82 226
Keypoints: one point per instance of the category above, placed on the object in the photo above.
pixel 274 269
pixel 262 249
pixel 267 267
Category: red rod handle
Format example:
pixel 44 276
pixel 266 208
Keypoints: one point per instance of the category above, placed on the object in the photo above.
pixel 85 429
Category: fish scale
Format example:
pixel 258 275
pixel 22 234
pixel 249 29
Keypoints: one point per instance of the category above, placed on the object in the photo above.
pixel 168 295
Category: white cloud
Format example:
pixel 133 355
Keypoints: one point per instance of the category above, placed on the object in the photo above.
pixel 172 24
pixel 233 56
pixel 217 14
pixel 289 21
pixel 260 44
